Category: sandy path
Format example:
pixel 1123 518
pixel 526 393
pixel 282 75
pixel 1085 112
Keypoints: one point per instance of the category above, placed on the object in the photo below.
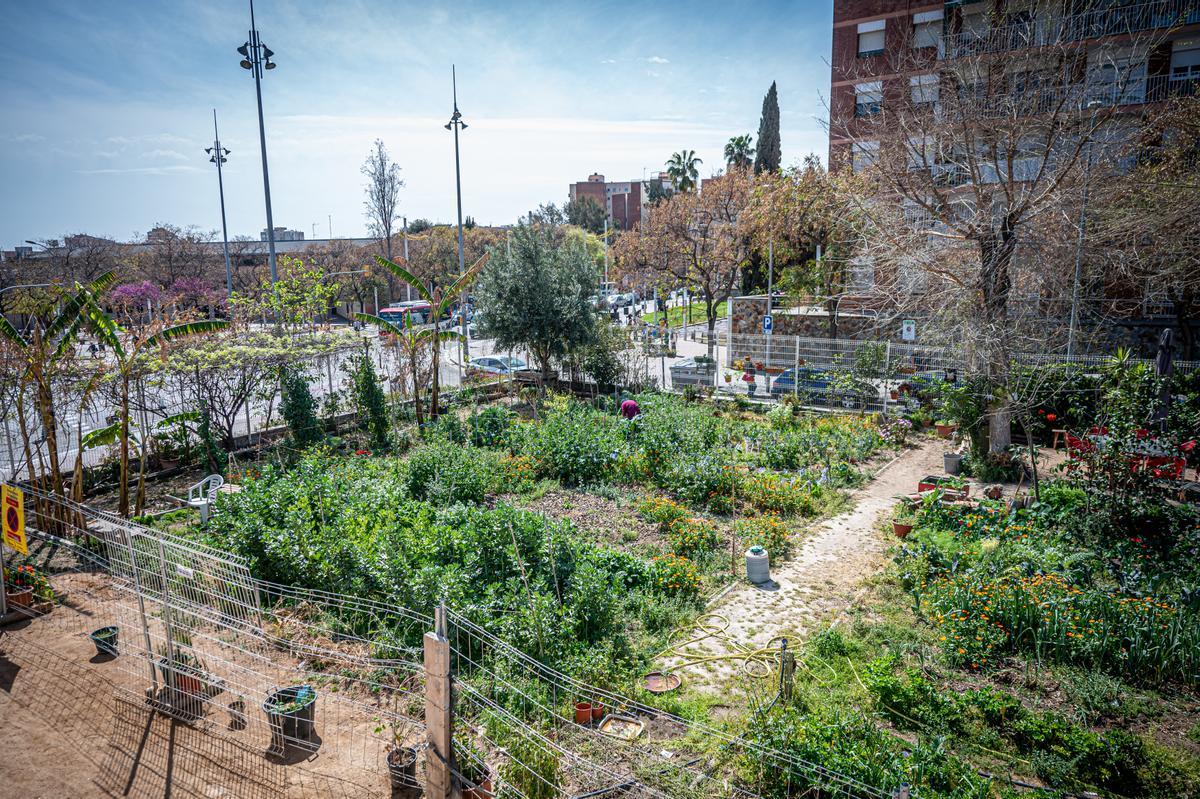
pixel 819 580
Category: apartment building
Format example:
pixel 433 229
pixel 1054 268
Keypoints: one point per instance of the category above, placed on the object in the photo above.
pixel 1132 54
pixel 624 201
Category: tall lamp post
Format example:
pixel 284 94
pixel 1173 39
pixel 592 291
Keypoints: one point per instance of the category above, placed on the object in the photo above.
pixel 455 124
pixel 256 57
pixel 218 153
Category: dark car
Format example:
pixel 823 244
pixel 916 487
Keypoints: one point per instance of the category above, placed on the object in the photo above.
pixel 824 387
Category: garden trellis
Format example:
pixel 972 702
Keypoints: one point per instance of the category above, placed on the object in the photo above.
pixel 363 659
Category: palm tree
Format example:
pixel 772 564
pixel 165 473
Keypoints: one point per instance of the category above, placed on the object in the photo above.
pixel 681 166
pixel 111 333
pixel 739 151
pixel 440 299
pixel 42 350
pixel 412 341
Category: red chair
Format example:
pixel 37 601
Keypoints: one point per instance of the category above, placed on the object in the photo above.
pixel 1141 434
pixel 1170 468
pixel 1077 446
pixel 1098 431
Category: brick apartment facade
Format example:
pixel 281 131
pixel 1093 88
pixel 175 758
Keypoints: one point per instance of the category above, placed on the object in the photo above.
pixel 622 200
pixel 872 38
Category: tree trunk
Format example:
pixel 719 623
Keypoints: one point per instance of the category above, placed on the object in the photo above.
pixel 434 387
pixel 123 479
pixel 711 314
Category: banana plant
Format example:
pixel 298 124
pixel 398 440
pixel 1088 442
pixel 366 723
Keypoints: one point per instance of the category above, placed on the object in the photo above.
pixel 112 334
pixel 50 340
pixel 412 341
pixel 440 299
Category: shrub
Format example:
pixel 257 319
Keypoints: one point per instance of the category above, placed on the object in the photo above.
pixel 676 576
pixel 709 480
pixel 299 409
pixel 489 427
pixel 577 446
pixel 692 537
pixel 766 531
pixel 771 493
pixel 444 474
pixel 661 511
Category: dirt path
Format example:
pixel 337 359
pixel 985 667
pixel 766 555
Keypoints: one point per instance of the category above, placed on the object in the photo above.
pixel 819 580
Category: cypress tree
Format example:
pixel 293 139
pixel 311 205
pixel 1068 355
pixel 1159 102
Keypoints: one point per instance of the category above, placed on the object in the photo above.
pixel 769 155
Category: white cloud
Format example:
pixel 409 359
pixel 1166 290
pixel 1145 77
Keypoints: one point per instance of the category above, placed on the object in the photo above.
pixel 657 59
pixel 141 170
pixel 165 155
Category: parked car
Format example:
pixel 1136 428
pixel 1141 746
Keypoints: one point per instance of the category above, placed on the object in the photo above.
pixel 496 365
pixel 822 386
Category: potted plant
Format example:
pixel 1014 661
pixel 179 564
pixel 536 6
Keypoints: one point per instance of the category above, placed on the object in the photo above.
pixel 597 711
pixel 24 584
pixel 583 712
pixel 105 640
pixel 401 759
pixel 945 428
pixel 181 668
pixel 290 712
pixel 902 522
pixel 174 444
pixel 476 776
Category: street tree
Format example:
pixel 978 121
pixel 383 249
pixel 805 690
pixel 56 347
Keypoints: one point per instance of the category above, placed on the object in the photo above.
pixel 43 354
pixel 972 177
pixel 693 239
pixel 682 168
pixel 768 156
pixel 534 294
pixel 382 194
pixel 586 213
pixel 796 211
pixel 739 151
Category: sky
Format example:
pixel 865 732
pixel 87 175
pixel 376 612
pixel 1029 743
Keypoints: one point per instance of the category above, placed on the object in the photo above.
pixel 107 107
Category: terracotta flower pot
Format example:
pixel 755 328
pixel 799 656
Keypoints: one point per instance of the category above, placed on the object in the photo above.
pixel 895 395
pixel 20 597
pixel 901 530
pixel 597 711
pixel 482 790
pixel 946 430
pixel 583 712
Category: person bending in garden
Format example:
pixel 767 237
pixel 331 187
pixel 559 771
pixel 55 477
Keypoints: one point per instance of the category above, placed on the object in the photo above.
pixel 630 409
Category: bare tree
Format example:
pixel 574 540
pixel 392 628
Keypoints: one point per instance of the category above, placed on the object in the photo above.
pixel 975 165
pixel 382 203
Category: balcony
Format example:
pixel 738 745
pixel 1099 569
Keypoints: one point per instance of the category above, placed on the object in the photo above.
pixel 1026 100
pixel 1115 21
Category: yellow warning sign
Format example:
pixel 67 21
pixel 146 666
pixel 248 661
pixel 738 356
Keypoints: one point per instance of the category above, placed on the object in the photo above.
pixel 12 507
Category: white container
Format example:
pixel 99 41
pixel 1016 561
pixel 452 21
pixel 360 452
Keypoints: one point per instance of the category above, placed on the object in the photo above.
pixel 758 565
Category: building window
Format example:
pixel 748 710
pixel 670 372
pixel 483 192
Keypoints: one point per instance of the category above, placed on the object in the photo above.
pixel 864 154
pixel 924 89
pixel 927 29
pixel 1185 65
pixel 868 98
pixel 870 38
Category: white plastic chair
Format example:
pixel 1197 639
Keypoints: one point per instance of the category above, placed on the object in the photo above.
pixel 202 495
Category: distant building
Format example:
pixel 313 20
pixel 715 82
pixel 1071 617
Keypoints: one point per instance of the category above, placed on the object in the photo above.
pixel 282 234
pixel 623 201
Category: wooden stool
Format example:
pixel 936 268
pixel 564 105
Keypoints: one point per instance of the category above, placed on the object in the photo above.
pixel 1059 435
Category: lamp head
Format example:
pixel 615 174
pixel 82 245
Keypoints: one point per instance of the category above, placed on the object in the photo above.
pixel 449 125
pixel 245 64
pixel 270 65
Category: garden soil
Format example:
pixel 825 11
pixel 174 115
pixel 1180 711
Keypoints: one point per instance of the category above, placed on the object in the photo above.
pixel 76 725
pixel 823 579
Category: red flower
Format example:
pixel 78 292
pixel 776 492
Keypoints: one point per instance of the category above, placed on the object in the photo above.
pixel 1050 417
pixel 362 452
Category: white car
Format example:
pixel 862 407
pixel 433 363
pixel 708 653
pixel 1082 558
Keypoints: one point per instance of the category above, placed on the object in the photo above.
pixel 496 365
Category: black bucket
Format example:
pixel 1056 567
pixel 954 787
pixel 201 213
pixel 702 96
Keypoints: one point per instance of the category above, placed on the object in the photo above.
pixel 290 711
pixel 105 640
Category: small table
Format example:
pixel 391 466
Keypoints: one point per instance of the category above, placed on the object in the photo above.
pixel 1060 436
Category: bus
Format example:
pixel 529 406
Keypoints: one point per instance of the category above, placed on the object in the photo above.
pixel 407 314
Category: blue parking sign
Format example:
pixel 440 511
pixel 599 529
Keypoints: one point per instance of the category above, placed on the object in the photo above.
pixel 768 323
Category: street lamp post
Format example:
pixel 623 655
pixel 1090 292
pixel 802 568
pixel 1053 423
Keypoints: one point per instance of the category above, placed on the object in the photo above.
pixel 256 57
pixel 218 153
pixel 456 123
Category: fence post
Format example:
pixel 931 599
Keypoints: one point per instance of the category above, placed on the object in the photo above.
pixel 796 371
pixel 438 719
